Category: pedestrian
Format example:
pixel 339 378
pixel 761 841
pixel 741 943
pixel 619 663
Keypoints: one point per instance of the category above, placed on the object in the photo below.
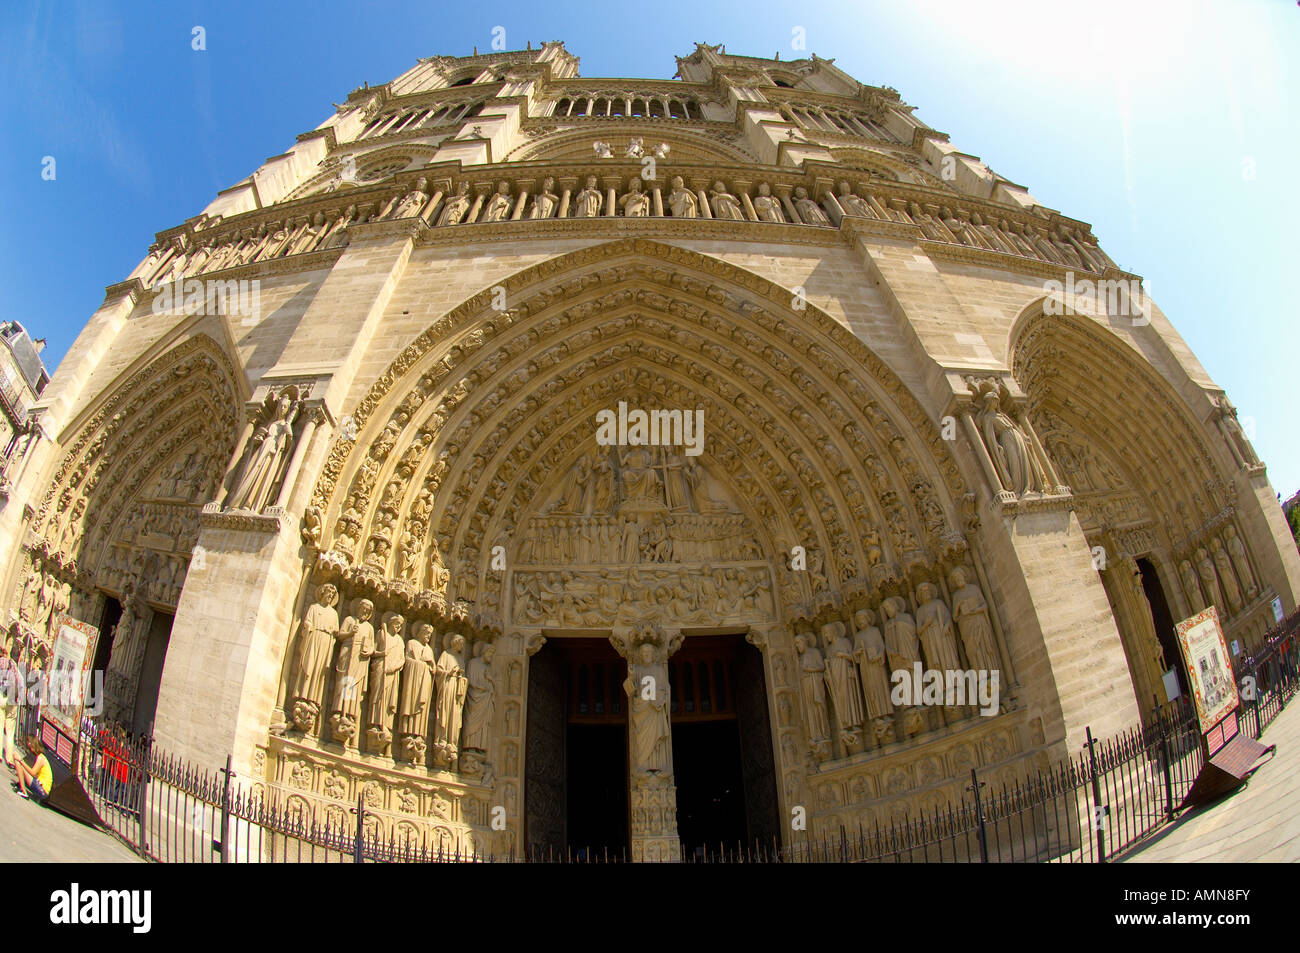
pixel 11 692
pixel 35 779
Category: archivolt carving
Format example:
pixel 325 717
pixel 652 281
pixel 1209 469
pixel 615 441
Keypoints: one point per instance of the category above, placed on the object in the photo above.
pixel 799 415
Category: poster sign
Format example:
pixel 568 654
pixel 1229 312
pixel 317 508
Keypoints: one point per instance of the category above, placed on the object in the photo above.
pixel 1170 679
pixel 68 673
pixel 1206 654
pixel 1277 609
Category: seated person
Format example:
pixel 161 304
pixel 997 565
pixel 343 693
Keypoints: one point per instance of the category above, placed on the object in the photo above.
pixel 34 776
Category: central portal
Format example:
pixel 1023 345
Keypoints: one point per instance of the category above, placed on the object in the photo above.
pixel 578 773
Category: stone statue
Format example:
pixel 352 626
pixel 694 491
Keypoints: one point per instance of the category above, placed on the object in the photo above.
pixel 439 574
pixel 971 614
pixel 268 454
pixel 316 637
pixel 1231 592
pixel 852 204
pixel 451 686
pixel 1006 442
pixel 416 693
pixel 635 204
pixel 498 207
pixel 356 638
pixel 545 201
pixel 1235 433
pixel 812 681
pixel 1205 567
pixel 480 699
pixel 682 201
pixel 412 202
pixel 904 651
pixel 1238 553
pixel 724 203
pixel 640 481
pixel 808 210
pixel 455 208
pixel 934 628
pixel 869 652
pixel 385 662
pixel 649 730
pixel 589 201
pixel 635 148
pixel 1193 588
pixel 767 206
pixel 842 681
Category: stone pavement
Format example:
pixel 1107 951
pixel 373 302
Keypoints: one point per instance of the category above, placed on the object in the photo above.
pixel 31 833
pixel 1259 822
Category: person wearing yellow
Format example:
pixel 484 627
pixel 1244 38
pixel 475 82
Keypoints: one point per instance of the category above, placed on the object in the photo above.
pixel 35 777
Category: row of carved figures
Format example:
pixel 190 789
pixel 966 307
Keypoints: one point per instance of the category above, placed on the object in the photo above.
pixel 371 686
pixel 1059 244
pixel 845 683
pixel 1221 575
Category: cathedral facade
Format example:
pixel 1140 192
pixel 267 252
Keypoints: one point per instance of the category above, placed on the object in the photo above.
pixel 548 461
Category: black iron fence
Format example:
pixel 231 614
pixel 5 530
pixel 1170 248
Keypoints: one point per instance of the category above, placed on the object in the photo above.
pixel 1089 808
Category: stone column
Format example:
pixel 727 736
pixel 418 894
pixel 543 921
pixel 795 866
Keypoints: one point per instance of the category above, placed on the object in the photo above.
pixel 652 790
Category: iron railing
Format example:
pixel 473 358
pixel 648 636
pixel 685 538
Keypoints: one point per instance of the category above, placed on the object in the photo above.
pixel 1089 808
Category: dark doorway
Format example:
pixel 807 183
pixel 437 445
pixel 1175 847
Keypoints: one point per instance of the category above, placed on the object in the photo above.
pixel 1163 620
pixel 710 787
pixel 575 785
pixel 722 748
pixel 107 622
pixel 596 800
pixel 151 668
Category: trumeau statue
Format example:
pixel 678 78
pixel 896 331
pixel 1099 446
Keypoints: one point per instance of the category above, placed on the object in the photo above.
pixel 724 203
pixel 545 201
pixel 589 201
pixel 648 712
pixel 416 693
pixel 812 681
pixel 451 687
pixel 268 453
pixel 498 207
pixel 386 661
pixel 767 206
pixel 316 638
pixel 356 638
pixel 456 207
pixel 971 614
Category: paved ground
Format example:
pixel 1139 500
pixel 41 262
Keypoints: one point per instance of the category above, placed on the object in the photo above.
pixel 30 833
pixel 1260 822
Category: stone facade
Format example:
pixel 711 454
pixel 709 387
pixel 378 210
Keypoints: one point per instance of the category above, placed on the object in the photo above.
pixel 352 506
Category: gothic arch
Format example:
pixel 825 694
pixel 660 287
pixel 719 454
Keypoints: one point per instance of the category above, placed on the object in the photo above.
pixel 819 439
pixel 147 456
pixel 1141 465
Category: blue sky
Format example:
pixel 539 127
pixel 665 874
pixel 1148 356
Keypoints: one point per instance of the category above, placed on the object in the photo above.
pixel 1171 127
